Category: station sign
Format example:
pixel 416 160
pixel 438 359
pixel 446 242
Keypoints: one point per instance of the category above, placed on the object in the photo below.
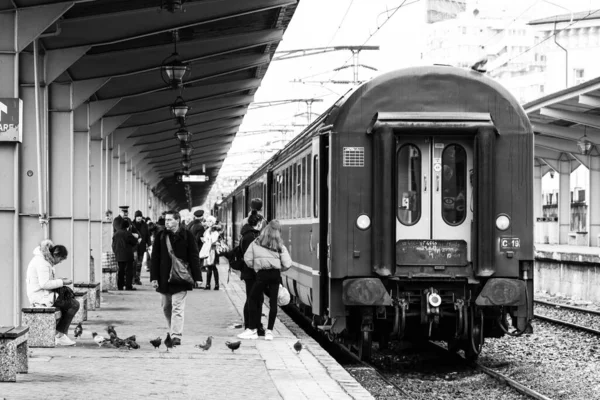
pixel 11 118
pixel 191 178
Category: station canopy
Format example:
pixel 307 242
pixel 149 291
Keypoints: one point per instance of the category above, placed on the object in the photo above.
pixel 567 125
pixel 116 50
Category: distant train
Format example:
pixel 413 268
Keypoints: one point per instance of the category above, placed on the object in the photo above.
pixel 407 208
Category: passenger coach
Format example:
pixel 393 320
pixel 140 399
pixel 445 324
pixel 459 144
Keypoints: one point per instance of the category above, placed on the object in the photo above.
pixel 407 208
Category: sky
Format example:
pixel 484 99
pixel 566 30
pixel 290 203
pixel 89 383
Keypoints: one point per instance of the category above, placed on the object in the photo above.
pixel 398 27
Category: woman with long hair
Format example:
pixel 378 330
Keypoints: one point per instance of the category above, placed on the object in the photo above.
pixel 268 256
pixel 42 285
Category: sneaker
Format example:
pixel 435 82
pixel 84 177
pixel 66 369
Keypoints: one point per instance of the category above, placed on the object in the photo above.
pixel 63 341
pixel 248 334
pixel 176 341
pixel 268 335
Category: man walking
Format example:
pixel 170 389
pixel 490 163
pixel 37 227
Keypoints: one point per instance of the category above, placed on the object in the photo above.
pixel 173 295
pixel 196 227
pixel 144 242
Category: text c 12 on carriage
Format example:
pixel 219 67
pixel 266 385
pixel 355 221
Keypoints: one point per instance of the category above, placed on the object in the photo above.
pixel 11 115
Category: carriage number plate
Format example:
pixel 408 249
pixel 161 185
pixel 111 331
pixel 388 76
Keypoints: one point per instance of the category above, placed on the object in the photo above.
pixel 510 243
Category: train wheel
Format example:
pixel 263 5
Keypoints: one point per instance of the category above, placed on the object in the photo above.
pixel 365 346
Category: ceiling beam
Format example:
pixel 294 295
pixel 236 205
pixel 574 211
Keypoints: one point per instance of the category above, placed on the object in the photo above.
pixel 561 96
pixel 588 100
pixel 579 118
pixel 572 133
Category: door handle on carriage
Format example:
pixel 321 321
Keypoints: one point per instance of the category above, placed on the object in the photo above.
pixel 425 183
pixel 437 182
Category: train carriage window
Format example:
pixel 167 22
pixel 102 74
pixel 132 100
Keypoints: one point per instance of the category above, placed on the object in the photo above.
pixel 308 183
pixel 288 191
pixel 316 182
pixel 454 184
pixel 298 190
pixel 409 184
pixel 304 183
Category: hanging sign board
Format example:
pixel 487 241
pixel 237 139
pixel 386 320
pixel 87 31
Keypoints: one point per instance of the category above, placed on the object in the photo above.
pixel 11 117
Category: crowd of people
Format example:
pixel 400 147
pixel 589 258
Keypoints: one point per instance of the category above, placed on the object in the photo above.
pixel 198 245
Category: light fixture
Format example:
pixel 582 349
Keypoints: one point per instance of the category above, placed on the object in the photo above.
pixel 186 149
pixel 203 168
pixel 183 135
pixel 186 163
pixel 172 5
pixel 584 145
pixel 172 68
pixel 185 171
pixel 180 109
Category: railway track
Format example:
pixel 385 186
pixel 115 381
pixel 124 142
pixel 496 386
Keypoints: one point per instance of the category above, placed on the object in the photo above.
pixel 566 323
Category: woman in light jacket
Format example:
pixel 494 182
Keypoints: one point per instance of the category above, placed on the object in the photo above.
pixel 268 257
pixel 41 284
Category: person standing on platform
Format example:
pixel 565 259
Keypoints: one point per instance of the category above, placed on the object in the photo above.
pixel 123 244
pixel 208 252
pixel 124 214
pixel 173 295
pixel 196 227
pixel 255 204
pixel 144 242
pixel 268 256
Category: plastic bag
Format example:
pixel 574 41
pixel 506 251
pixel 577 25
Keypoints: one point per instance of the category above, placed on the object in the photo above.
pixel 283 296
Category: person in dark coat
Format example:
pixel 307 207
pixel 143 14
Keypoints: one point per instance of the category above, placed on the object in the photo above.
pixel 123 242
pixel 197 227
pixel 173 295
pixel 124 214
pixel 250 232
pixel 144 242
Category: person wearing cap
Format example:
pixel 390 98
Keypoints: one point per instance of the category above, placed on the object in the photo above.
pixel 124 214
pixel 143 243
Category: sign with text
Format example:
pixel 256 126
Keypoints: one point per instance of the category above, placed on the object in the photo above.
pixel 11 117
pixel 192 178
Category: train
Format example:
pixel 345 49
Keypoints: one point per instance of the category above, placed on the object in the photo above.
pixel 407 208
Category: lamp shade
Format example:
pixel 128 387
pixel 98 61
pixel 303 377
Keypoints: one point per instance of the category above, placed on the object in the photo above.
pixel 173 70
pixel 186 149
pixel 179 108
pixel 584 146
pixel 183 135
pixel 186 163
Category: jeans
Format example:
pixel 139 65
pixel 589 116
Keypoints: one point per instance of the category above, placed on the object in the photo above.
pixel 125 274
pixel 173 306
pixel 264 278
pixel 68 309
pixel 210 270
pixel 249 285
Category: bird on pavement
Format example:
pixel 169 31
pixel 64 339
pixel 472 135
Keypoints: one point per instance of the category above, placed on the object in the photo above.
pixel 130 338
pixel 206 345
pixel 168 342
pixel 233 346
pixel 111 330
pixel 298 346
pixel 78 330
pixel 156 342
pixel 131 343
pixel 98 339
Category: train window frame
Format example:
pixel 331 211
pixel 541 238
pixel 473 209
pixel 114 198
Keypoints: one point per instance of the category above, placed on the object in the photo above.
pixel 418 193
pixel 309 178
pixel 298 212
pixel 303 212
pixel 465 186
pixel 317 182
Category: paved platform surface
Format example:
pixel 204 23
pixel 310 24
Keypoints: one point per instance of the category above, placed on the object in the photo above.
pixel 258 370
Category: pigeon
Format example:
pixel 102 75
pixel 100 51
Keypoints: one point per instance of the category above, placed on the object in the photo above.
pixel 111 330
pixel 206 345
pixel 131 343
pixel 233 346
pixel 298 346
pixel 98 339
pixel 130 338
pixel 168 342
pixel 156 342
pixel 78 331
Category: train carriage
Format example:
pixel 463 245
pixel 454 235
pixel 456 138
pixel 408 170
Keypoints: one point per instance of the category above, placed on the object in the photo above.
pixel 407 209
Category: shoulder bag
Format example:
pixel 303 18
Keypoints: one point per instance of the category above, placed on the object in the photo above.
pixel 180 273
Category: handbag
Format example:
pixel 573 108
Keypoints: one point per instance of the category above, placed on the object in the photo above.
pixel 180 273
pixel 205 250
pixel 237 262
pixel 63 296
pixel 283 296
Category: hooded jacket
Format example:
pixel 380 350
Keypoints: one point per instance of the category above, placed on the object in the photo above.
pixel 258 257
pixel 40 276
pixel 249 234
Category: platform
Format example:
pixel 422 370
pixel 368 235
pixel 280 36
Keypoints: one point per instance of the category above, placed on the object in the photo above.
pixel 258 370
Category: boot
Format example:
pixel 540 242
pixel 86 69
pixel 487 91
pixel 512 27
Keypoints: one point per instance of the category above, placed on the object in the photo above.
pixel 138 273
pixel 216 278
pixel 208 278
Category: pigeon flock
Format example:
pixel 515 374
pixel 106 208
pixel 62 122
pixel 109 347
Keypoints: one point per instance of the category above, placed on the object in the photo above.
pixel 130 343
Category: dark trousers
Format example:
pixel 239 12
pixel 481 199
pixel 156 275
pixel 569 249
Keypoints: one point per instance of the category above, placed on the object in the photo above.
pixel 264 278
pixel 249 285
pixel 125 275
pixel 210 270
pixel 68 309
pixel 138 264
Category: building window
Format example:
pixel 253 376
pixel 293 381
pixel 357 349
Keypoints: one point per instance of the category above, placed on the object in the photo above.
pixel 579 75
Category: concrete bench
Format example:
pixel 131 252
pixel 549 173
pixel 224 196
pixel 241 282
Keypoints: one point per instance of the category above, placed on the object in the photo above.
pixel 81 315
pixel 109 279
pixel 93 293
pixel 42 325
pixel 14 352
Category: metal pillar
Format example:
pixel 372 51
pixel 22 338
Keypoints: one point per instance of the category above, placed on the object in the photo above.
pixel 564 202
pixel 114 181
pixel 123 199
pixel 61 147
pixel 81 194
pixel 537 202
pixel 594 201
pixel 96 198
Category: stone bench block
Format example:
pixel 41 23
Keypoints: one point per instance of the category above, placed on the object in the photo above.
pixel 14 352
pixel 42 325
pixel 81 315
pixel 93 294
pixel 109 279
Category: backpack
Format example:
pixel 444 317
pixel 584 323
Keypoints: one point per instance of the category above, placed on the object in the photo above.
pixel 237 258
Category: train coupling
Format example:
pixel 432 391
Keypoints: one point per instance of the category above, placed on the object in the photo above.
pixel 434 301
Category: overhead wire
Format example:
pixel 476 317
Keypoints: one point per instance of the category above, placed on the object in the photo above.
pixel 510 23
pixel 545 39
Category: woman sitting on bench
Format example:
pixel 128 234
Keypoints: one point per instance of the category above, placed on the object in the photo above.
pixel 41 286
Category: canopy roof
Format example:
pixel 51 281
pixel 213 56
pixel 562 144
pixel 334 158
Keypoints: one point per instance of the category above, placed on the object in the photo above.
pixel 114 50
